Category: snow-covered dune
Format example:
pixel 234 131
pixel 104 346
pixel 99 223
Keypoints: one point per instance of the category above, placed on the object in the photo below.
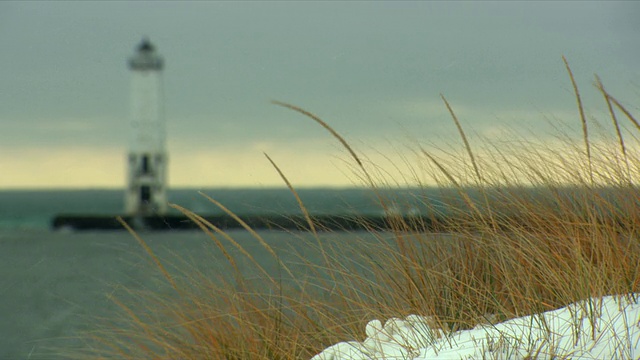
pixel 599 328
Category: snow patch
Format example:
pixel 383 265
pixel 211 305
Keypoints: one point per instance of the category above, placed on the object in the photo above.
pixel 596 328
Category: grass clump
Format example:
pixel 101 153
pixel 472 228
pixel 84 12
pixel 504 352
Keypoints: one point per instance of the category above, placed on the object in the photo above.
pixel 524 228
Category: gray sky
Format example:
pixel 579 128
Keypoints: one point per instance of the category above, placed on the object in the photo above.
pixel 373 70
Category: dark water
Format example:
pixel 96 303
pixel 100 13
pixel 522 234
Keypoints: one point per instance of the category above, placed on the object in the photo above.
pixel 53 283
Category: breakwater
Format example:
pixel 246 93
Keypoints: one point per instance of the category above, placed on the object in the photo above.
pixel 257 222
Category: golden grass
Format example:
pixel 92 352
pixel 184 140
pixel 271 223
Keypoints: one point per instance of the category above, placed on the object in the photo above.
pixel 537 227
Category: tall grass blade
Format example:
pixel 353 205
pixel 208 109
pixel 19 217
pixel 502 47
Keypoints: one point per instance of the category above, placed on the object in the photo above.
pixel 614 119
pixel 476 169
pixel 583 118
pixel 324 125
pixel 303 208
pixel 370 182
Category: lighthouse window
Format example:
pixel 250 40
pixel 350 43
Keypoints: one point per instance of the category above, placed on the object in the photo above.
pixel 145 164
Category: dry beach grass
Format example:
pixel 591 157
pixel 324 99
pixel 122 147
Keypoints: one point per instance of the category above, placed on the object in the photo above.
pixel 533 226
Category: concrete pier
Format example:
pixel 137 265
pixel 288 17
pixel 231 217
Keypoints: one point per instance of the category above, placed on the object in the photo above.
pixel 257 222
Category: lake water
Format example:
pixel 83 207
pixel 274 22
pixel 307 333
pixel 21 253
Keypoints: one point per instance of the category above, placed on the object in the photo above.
pixel 53 283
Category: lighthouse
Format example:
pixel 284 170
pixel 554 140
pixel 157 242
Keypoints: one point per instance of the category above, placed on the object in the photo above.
pixel 146 191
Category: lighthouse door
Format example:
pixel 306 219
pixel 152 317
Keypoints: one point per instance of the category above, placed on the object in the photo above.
pixel 145 194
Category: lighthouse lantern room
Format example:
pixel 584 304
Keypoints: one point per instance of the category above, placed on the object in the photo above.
pixel 146 190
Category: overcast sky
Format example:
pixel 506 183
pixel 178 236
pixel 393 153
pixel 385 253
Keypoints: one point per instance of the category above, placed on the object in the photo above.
pixel 373 70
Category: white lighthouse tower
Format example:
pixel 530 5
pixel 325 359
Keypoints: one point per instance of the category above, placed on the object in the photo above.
pixel 146 192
